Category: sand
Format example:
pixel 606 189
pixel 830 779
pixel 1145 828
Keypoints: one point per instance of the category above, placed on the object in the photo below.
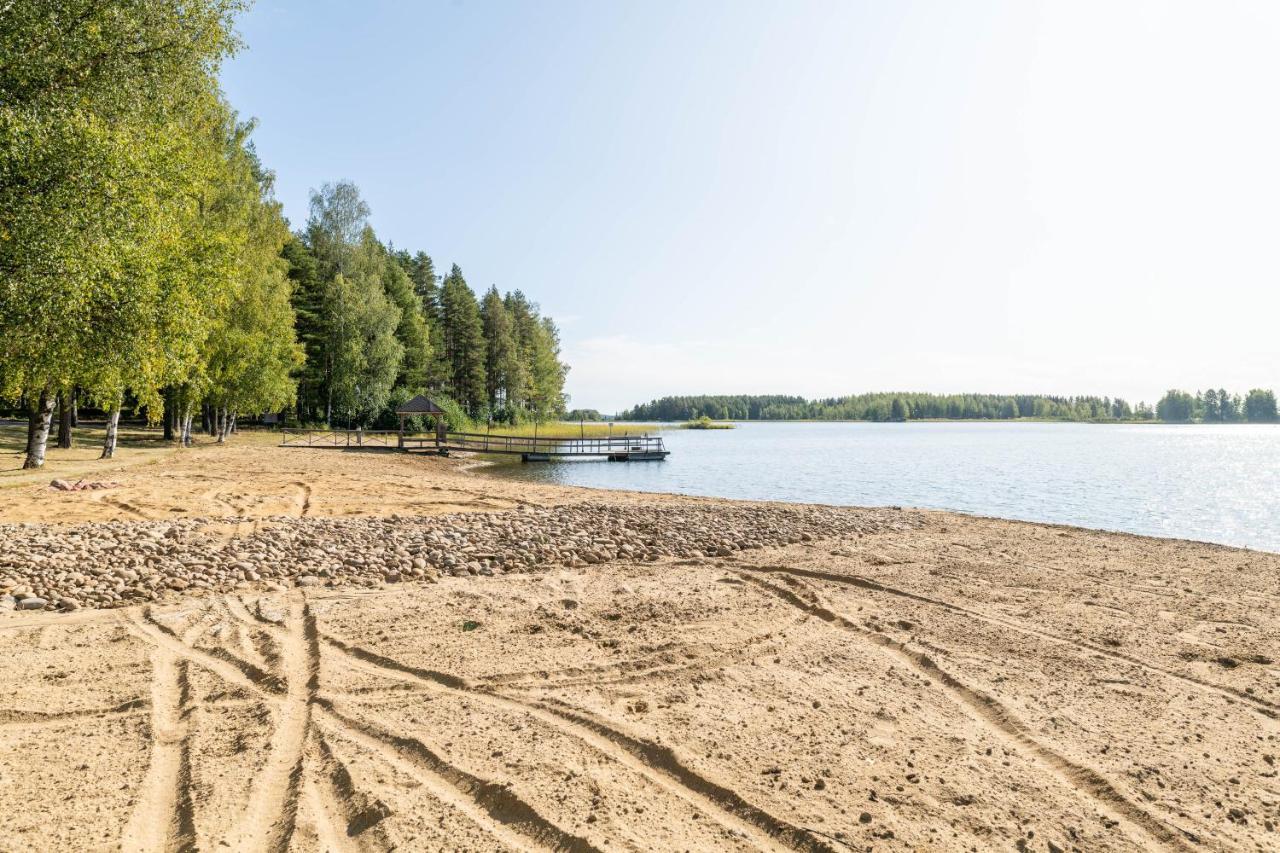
pixel 942 682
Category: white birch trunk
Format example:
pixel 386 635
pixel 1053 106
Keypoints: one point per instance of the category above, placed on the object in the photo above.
pixel 41 417
pixel 113 424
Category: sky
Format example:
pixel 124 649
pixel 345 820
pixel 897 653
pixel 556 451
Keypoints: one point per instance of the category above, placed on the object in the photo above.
pixel 814 198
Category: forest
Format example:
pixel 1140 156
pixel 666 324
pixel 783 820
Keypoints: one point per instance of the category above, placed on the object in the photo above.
pixel 147 268
pixel 1212 406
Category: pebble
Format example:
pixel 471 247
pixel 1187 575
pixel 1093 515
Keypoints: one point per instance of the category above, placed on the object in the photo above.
pixel 121 563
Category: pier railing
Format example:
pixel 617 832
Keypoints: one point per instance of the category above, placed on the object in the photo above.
pixel 528 446
pixel 541 445
pixel 339 438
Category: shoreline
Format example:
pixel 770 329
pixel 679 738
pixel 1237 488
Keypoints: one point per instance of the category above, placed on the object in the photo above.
pixel 619 667
pixel 485 468
pixel 216 535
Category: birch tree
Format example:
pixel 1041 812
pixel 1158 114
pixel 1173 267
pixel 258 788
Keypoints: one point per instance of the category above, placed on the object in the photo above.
pixel 95 101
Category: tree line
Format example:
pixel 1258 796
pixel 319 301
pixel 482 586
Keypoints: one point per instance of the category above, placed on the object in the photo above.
pixel 1176 406
pixel 146 265
pixel 378 325
pixel 1217 406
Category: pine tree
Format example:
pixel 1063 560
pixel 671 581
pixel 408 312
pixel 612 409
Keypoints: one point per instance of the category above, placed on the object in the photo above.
pixel 308 307
pixel 502 355
pixel 1212 412
pixel 462 333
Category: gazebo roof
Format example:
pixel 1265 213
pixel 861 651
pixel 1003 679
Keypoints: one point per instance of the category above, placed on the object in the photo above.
pixel 419 405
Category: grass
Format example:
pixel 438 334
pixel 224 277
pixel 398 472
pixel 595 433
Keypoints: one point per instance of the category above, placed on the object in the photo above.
pixel 135 445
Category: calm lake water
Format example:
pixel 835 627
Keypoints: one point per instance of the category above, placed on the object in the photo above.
pixel 1213 483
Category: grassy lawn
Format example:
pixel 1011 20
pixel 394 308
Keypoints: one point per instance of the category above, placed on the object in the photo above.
pixel 134 446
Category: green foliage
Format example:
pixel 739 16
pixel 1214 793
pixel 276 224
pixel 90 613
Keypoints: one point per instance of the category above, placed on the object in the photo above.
pixel 887 407
pixel 412 331
pixel 583 415
pixel 705 422
pixel 538 386
pixel 1260 406
pixel 503 368
pixel 144 259
pixel 1176 407
pixel 455 416
pixel 252 351
pixel 113 144
pixel 363 353
pixel 464 343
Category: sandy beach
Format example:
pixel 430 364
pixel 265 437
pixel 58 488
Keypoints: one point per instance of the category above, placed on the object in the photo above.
pixel 252 648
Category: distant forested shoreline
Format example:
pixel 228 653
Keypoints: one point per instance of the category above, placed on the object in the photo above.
pixel 1212 406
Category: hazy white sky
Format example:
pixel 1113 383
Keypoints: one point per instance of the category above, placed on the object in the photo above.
pixel 814 198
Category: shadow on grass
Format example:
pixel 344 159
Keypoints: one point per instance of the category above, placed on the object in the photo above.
pixel 13 437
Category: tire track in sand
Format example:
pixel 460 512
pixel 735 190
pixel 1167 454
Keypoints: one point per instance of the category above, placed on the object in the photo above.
pixel 164 816
pixel 1141 824
pixel 1258 704
pixel 659 663
pixel 656 763
pixel 493 807
pixel 337 804
pixel 295 703
pixel 271 817
pixel 12 717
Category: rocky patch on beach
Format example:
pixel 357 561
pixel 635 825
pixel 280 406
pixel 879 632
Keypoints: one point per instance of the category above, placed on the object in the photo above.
pixel 116 564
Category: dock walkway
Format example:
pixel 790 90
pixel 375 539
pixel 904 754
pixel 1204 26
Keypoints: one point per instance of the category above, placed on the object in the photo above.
pixel 619 448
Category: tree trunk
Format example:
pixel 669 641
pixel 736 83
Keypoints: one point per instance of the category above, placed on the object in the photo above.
pixel 64 419
pixel 170 415
pixel 40 419
pixel 219 423
pixel 185 425
pixel 233 423
pixel 75 407
pixel 206 425
pixel 32 423
pixel 113 424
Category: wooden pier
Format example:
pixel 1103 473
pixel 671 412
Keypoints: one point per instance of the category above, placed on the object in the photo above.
pixel 543 448
pixel 535 448
pixel 619 448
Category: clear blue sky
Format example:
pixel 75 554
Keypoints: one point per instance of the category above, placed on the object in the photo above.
pixel 813 198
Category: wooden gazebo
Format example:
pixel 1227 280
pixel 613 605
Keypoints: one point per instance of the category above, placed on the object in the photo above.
pixel 421 405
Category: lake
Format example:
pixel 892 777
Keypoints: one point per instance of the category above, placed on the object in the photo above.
pixel 1212 483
